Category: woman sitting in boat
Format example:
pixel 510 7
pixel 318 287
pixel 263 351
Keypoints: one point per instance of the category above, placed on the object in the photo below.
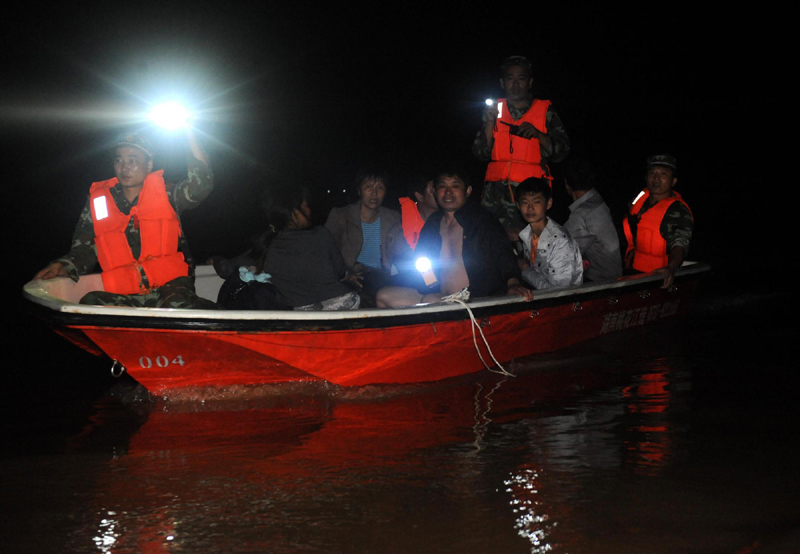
pixel 369 236
pixel 291 265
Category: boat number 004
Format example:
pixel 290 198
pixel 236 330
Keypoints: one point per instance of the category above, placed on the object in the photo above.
pixel 160 361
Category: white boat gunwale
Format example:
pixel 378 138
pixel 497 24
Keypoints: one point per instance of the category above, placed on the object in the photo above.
pixel 65 312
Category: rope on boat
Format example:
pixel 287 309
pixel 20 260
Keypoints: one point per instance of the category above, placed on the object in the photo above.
pixel 461 297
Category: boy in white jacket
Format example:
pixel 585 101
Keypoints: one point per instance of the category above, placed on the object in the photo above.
pixel 552 257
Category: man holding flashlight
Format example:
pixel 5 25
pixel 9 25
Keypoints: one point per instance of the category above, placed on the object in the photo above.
pixel 520 136
pixel 466 247
pixel 131 226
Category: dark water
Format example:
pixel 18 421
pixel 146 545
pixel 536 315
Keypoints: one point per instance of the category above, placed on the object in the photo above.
pixel 677 438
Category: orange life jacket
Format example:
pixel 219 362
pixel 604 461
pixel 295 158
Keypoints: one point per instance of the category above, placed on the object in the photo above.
pixel 159 229
pixel 412 222
pixel 515 158
pixel 649 246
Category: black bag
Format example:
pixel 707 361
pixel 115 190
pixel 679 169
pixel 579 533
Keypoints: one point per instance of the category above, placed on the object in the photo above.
pixel 235 294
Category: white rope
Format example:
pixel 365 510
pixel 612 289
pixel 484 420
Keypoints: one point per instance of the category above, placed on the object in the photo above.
pixel 461 297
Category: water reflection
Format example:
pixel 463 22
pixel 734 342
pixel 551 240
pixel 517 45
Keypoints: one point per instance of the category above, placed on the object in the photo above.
pixel 648 447
pixel 549 461
pixel 571 446
pixel 276 469
pixel 533 523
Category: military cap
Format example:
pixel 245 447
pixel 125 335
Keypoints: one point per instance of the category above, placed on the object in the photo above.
pixel 663 159
pixel 137 141
pixel 521 61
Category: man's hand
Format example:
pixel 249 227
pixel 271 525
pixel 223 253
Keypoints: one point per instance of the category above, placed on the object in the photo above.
pixel 669 276
pixel 516 288
pixel 55 269
pixel 528 131
pixel 194 146
pixel 354 279
pixel 490 114
pixel 676 257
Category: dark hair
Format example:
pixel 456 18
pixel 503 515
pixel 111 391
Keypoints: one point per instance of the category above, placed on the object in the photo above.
pixel 452 169
pixel 418 184
pixel 533 185
pixel 578 173
pixel 278 206
pixel 371 172
pixel 520 61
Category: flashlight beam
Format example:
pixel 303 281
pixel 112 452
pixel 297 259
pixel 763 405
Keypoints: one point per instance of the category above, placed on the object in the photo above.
pixel 171 116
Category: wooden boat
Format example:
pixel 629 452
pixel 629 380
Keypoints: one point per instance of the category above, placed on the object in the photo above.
pixel 166 349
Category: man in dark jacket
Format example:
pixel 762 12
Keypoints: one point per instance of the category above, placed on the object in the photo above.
pixel 467 248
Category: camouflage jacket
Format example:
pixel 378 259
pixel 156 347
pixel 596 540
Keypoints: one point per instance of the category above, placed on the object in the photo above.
pixel 188 194
pixel 677 225
pixel 559 141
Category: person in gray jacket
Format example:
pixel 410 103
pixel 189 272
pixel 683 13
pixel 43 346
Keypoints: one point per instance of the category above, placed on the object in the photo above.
pixel 590 224
pixel 369 236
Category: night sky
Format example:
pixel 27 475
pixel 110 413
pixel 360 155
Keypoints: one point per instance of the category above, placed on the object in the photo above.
pixel 292 94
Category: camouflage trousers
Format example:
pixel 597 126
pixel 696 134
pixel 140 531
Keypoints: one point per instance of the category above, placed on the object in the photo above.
pixel 498 198
pixel 178 293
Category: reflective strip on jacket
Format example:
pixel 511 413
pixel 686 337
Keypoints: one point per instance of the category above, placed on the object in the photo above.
pixel 411 220
pixel 159 230
pixel 650 247
pixel 515 158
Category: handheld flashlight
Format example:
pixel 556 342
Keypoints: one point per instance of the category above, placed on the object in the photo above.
pixel 423 265
pixel 170 116
pixel 491 102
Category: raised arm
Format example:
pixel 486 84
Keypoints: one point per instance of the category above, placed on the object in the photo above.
pixel 199 181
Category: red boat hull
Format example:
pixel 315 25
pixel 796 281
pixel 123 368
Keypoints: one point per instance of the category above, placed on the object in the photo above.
pixel 162 358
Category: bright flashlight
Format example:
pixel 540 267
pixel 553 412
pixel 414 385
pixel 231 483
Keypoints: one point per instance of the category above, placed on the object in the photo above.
pixel 491 102
pixel 171 116
pixel 423 265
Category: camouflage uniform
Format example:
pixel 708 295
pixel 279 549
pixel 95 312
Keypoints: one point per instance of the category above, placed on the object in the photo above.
pixel 676 227
pixel 496 194
pixel 178 293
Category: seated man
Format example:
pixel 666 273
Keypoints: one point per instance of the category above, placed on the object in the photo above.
pixel 130 225
pixel 552 257
pixel 660 224
pixel 590 224
pixel 467 247
pixel 369 235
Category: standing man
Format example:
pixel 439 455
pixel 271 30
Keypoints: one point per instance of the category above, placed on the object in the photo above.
pixel 590 224
pixel 131 226
pixel 520 136
pixel 466 246
pixel 659 226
